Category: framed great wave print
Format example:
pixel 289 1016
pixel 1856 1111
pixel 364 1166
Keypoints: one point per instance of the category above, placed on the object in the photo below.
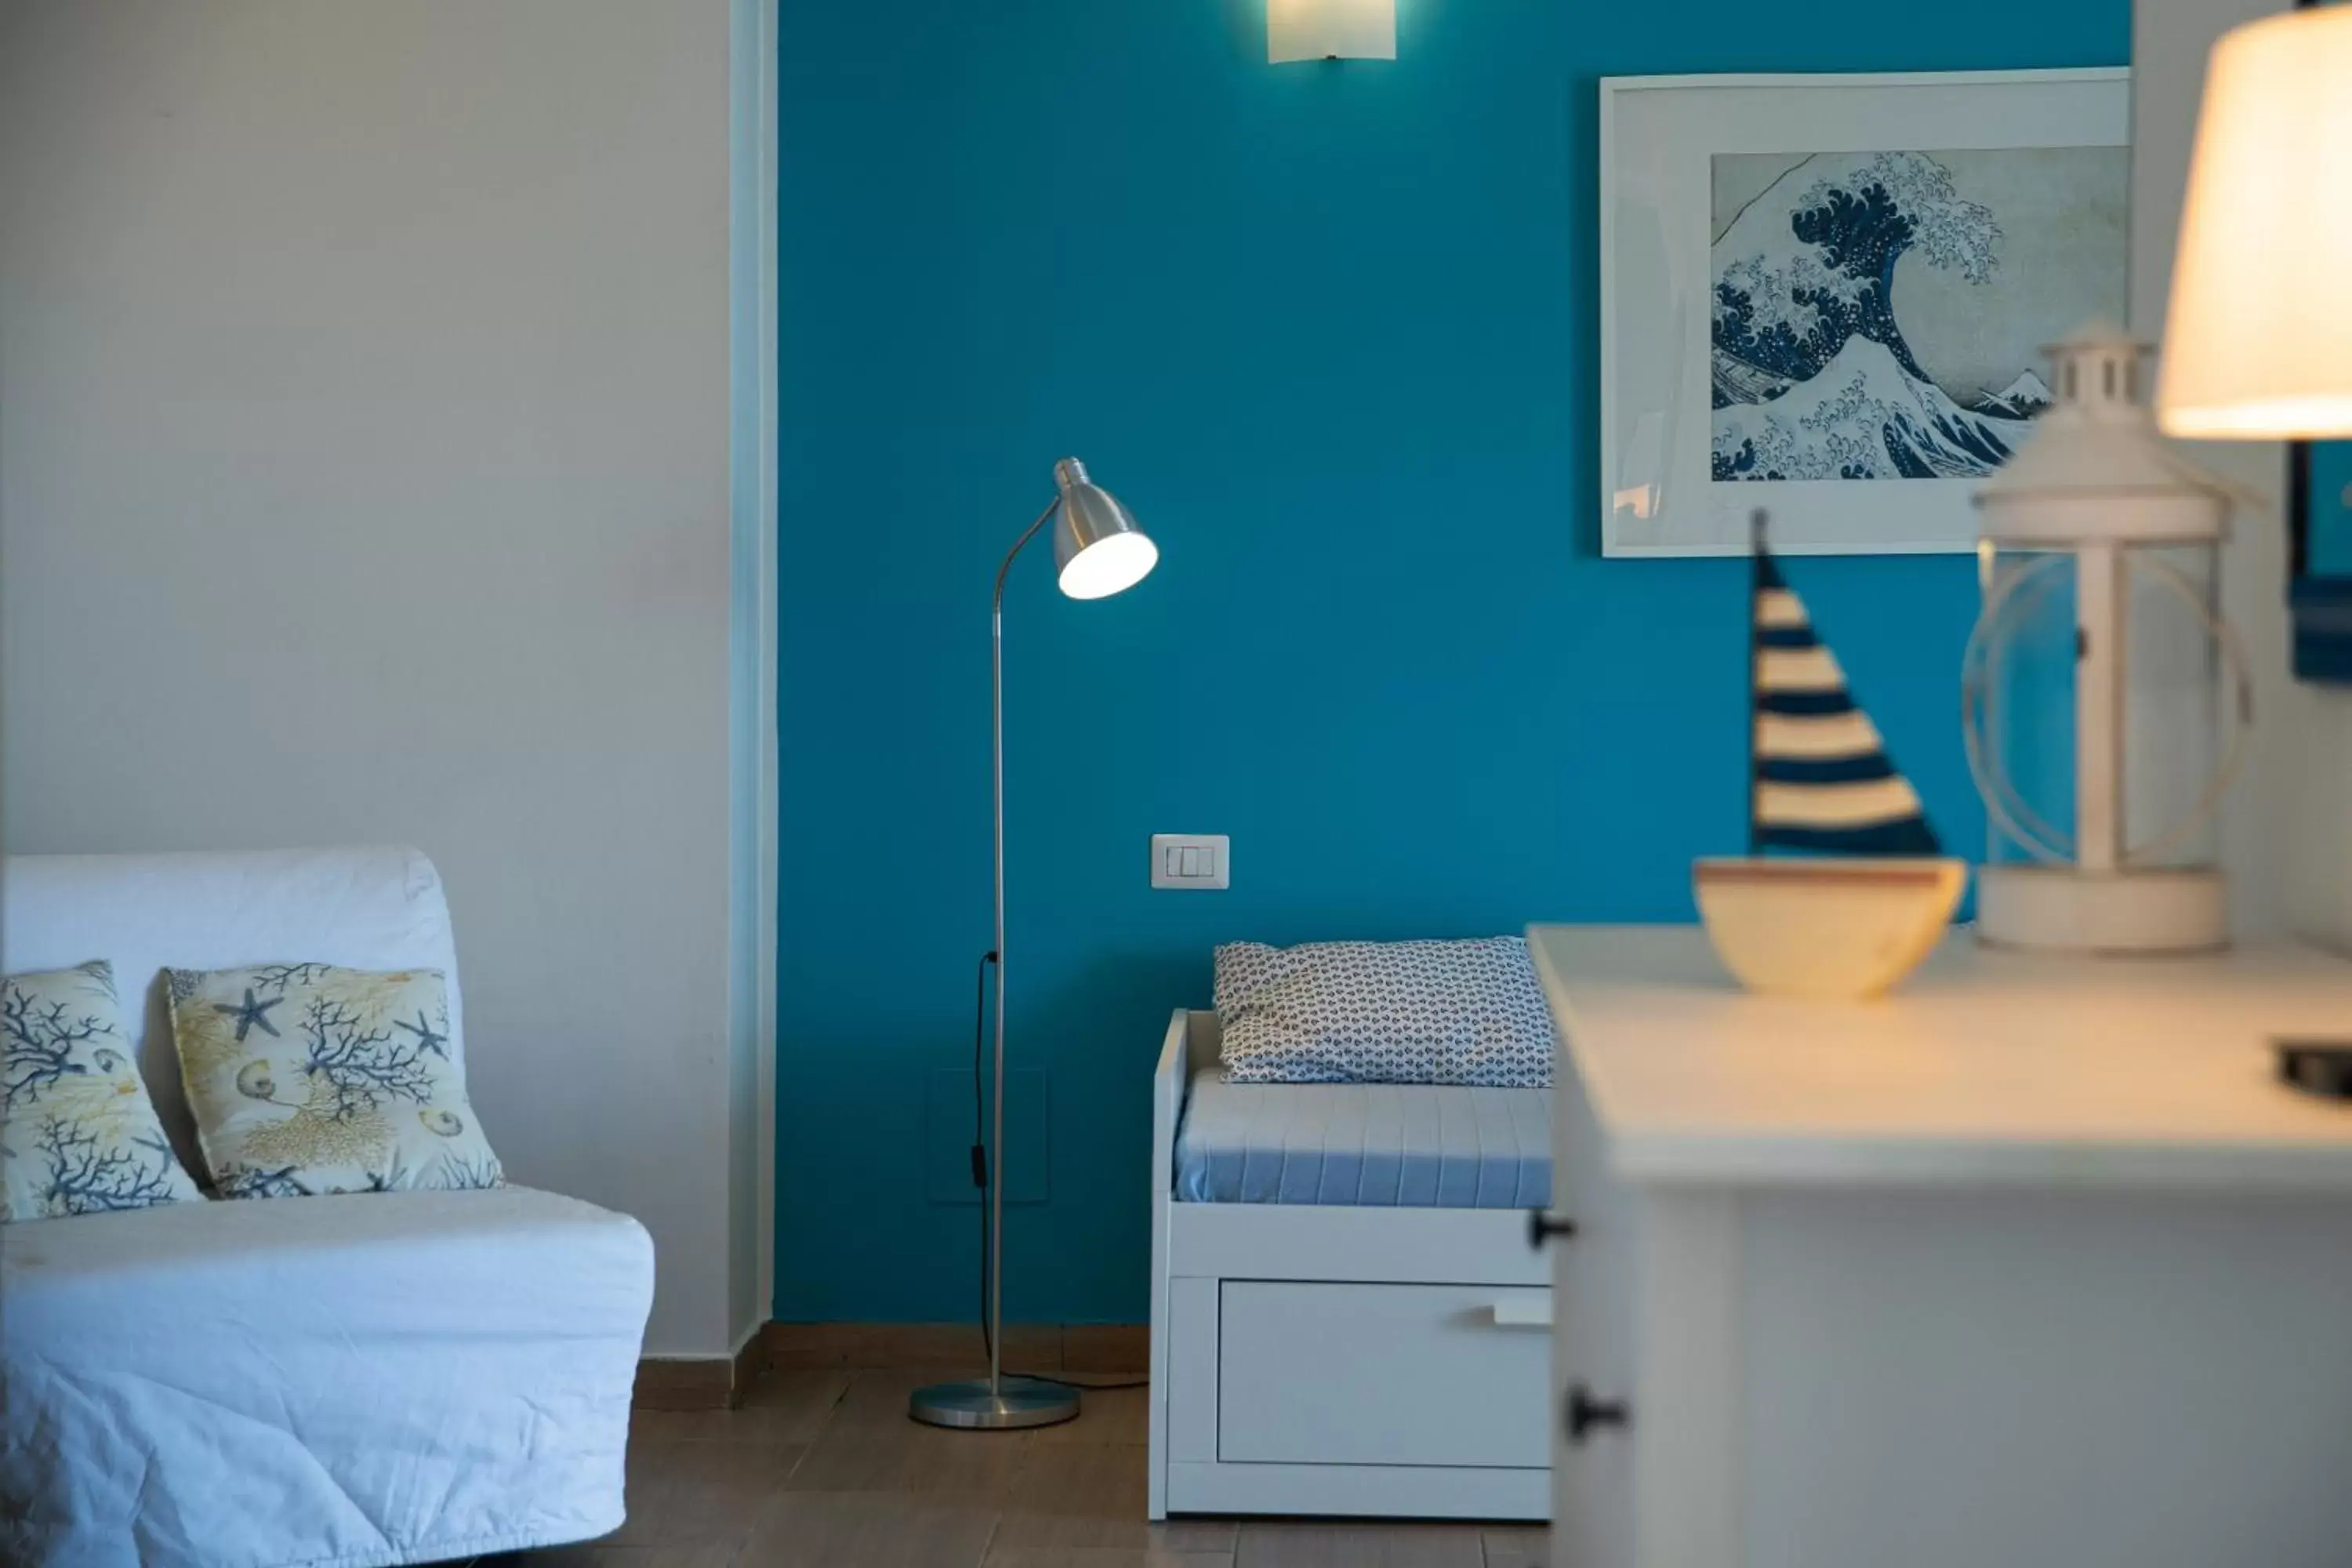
pixel 1828 295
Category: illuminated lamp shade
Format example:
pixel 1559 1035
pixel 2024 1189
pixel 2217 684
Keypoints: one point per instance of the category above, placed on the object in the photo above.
pixel 2258 345
pixel 1331 30
pixel 1097 549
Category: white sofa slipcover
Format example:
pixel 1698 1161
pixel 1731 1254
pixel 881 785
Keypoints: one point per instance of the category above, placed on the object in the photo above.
pixel 371 1379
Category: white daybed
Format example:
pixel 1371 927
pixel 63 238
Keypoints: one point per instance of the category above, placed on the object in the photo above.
pixel 296 1383
pixel 1324 1339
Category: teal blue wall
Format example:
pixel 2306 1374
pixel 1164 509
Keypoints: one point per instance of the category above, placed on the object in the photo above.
pixel 1330 331
pixel 2331 508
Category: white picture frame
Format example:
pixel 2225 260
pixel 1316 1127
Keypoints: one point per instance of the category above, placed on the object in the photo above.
pixel 1660 137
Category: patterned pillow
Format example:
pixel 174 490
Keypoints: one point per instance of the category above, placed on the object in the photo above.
pixel 309 1078
pixel 1384 1012
pixel 78 1134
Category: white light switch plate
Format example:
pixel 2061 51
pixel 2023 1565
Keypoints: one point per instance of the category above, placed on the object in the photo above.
pixel 1197 860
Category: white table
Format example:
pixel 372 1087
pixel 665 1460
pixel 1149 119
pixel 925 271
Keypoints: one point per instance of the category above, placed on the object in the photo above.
pixel 2034 1262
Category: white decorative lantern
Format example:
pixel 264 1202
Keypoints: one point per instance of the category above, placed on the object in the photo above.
pixel 2106 702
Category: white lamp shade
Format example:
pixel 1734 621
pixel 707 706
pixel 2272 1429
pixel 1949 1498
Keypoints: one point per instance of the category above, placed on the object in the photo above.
pixel 1331 30
pixel 2258 345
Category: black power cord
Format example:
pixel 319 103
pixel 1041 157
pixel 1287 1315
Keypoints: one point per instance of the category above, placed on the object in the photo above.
pixel 981 1175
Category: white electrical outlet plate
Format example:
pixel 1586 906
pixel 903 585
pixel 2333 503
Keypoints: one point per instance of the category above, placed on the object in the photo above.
pixel 1197 860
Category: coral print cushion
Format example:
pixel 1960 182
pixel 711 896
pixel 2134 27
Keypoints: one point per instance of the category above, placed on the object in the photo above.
pixel 78 1134
pixel 308 1079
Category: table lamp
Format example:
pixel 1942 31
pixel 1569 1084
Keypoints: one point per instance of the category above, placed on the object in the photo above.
pixel 2258 342
pixel 1098 552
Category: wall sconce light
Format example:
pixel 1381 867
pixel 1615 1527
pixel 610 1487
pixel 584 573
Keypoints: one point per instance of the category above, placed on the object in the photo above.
pixel 1331 30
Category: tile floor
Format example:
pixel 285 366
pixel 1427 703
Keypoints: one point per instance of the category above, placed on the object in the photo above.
pixel 823 1469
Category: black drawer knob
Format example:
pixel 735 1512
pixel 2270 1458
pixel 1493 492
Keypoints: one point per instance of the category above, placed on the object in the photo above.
pixel 1585 1413
pixel 1542 1227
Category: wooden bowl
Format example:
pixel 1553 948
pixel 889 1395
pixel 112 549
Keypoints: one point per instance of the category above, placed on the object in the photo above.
pixel 1845 929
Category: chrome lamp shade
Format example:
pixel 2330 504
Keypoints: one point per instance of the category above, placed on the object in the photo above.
pixel 1097 549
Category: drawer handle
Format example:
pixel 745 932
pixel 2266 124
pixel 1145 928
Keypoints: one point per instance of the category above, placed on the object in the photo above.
pixel 1523 1309
pixel 1585 1413
pixel 1542 1227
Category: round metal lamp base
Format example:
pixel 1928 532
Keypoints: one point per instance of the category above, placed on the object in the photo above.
pixel 1024 1402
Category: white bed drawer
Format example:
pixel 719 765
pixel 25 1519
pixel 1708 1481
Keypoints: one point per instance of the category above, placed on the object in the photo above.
pixel 1383 1375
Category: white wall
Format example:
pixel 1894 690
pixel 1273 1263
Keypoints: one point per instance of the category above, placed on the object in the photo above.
pixel 2322 820
pixel 2288 829
pixel 364 474
pixel 752 806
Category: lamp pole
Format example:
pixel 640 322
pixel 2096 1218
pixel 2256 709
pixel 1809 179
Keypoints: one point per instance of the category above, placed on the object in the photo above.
pixel 996 1123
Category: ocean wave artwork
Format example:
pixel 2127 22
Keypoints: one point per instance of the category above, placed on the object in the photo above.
pixel 1879 315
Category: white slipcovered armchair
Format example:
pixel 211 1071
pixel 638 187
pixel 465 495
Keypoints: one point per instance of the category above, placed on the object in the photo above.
pixel 377 1378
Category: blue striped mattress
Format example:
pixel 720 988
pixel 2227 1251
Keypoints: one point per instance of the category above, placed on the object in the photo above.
pixel 1381 1145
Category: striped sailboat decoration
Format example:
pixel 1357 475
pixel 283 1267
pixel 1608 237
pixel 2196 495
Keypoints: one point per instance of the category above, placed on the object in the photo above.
pixel 1844 888
pixel 1822 782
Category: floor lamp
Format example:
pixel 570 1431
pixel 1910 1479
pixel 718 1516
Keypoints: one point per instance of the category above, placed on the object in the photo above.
pixel 1098 552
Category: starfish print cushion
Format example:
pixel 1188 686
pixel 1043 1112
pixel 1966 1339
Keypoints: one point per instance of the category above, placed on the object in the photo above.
pixel 309 1078
pixel 1384 1012
pixel 77 1133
